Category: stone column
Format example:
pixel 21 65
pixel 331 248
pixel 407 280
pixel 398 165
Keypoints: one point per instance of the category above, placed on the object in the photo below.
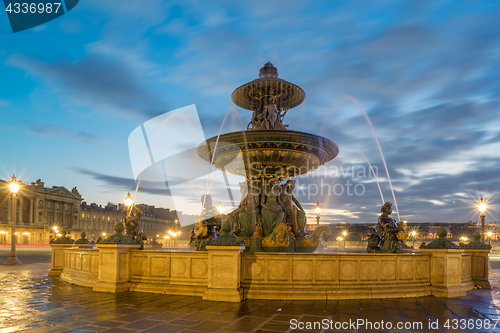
pixel 480 267
pixel 54 212
pixel 35 210
pixel 445 272
pixel 31 211
pixel 20 200
pixel 63 215
pixel 224 274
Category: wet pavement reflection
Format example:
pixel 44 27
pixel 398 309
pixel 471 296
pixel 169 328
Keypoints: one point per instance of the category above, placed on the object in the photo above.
pixel 33 302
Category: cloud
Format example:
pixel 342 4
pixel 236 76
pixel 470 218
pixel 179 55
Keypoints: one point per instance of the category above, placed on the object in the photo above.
pixel 108 85
pixel 49 130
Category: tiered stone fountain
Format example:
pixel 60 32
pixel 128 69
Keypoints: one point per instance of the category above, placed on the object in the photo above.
pixel 269 218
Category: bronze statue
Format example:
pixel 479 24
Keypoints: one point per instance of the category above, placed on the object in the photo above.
pixel 388 236
pixel 247 215
pixel 294 213
pixel 207 224
pixel 273 210
pixel 133 228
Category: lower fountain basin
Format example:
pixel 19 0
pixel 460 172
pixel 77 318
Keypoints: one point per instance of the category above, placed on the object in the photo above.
pixel 258 153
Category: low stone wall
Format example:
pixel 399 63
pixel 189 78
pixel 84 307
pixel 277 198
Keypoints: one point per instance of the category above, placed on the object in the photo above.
pixel 334 276
pixel 179 273
pixel 224 273
pixel 81 266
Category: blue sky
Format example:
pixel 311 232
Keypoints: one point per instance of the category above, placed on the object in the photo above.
pixel 426 72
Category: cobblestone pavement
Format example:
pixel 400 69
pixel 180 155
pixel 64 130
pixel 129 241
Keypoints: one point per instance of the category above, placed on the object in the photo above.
pixel 33 302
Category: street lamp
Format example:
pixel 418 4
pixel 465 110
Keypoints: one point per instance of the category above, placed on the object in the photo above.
pixel 220 208
pixel 317 209
pixel 14 188
pixel 128 203
pixel 482 208
pixel 489 233
pixel 413 234
pixel 344 233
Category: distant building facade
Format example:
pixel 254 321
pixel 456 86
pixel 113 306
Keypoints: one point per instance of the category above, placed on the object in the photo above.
pixel 39 209
pixel 98 221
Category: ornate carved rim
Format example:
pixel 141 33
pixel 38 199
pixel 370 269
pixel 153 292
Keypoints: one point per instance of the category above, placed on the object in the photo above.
pixel 290 150
pixel 255 93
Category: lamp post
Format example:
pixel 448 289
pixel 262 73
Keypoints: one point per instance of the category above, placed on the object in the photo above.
pixel 14 188
pixel 489 233
pixel 345 236
pixel 317 209
pixel 482 208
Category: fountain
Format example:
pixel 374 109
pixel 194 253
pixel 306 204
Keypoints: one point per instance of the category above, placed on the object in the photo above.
pixel 269 218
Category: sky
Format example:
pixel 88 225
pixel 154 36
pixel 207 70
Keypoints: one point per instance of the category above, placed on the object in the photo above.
pixel 425 72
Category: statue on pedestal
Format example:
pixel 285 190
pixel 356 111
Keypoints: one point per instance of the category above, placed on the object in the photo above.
pixel 133 228
pixel 388 237
pixel 207 224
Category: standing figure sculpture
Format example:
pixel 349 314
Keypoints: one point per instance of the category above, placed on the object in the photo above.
pixel 294 213
pixel 273 210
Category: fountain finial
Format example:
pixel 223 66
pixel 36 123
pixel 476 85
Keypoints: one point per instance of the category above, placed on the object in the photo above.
pixel 268 71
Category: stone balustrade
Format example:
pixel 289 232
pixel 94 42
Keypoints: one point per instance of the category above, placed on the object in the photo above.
pixel 224 273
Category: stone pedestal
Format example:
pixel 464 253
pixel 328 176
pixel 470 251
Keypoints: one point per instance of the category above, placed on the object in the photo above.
pixel 114 267
pixel 57 262
pixel 446 272
pixel 224 274
pixel 480 267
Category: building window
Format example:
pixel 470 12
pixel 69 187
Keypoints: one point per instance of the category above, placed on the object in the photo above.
pixel 66 207
pixel 83 216
pixel 49 204
pixel 49 219
pixel 58 206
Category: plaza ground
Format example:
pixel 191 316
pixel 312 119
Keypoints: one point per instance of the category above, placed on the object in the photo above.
pixel 32 302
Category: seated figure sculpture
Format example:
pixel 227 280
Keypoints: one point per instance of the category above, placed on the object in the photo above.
pixel 294 213
pixel 388 236
pixel 207 224
pixel 133 228
pixel 246 217
pixel 272 207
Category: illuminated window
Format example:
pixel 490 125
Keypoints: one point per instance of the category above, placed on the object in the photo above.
pixel 83 216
